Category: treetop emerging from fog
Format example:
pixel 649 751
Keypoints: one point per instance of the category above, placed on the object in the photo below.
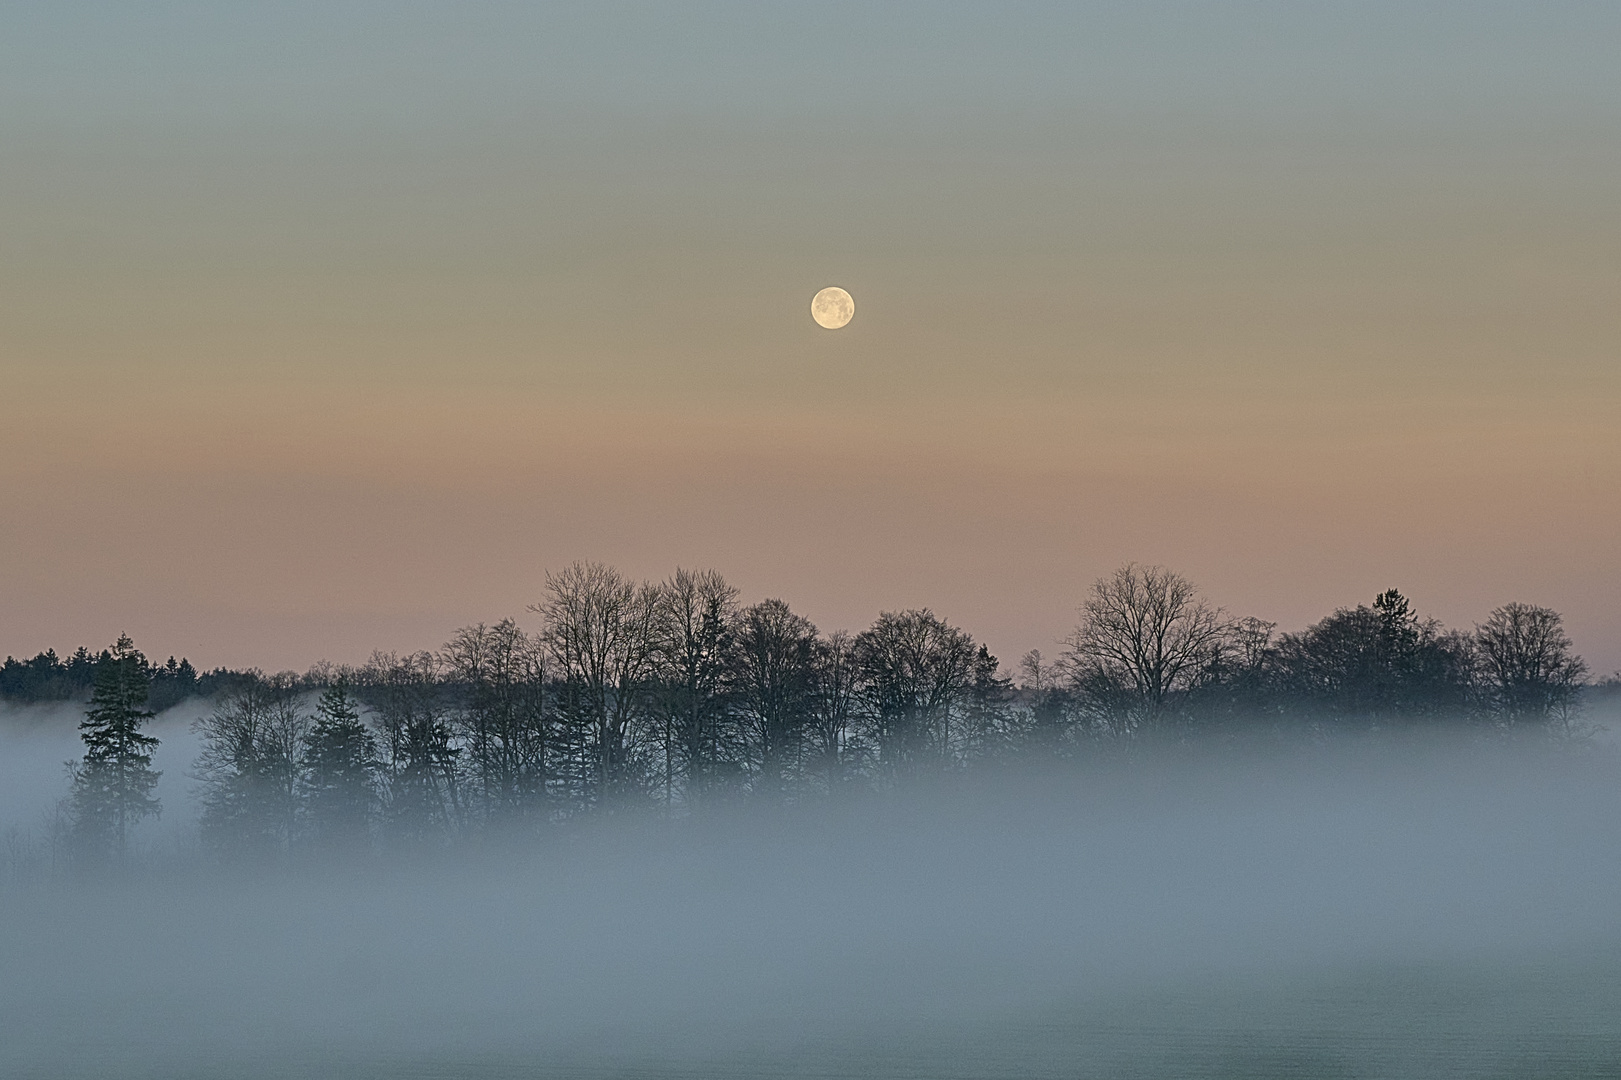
pixel 674 695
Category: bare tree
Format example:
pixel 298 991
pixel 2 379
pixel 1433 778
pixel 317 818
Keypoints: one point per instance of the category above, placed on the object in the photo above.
pixel 1144 635
pixel 1531 673
pixel 421 762
pixel 914 668
pixel 500 676
pixel 600 636
pixel 835 681
pixel 775 679
pixel 1242 680
pixel 694 638
pixel 1044 694
pixel 248 769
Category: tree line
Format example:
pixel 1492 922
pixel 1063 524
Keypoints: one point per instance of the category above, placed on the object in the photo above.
pixel 48 677
pixel 674 696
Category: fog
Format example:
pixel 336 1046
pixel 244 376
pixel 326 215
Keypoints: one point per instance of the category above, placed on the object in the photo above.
pixel 1395 907
pixel 37 742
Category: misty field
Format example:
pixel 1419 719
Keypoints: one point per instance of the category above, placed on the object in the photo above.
pixel 1396 908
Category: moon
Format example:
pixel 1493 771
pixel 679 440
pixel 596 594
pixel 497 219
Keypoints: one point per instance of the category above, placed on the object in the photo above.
pixel 832 308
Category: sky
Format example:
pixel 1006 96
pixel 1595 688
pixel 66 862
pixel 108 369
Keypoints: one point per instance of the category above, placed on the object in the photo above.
pixel 331 327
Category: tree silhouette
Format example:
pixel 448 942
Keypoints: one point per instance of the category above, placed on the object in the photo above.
pixel 248 769
pixel 694 642
pixel 1530 673
pixel 914 668
pixel 601 636
pixel 774 680
pixel 1376 665
pixel 502 716
pixel 113 783
pixel 340 772
pixel 1145 635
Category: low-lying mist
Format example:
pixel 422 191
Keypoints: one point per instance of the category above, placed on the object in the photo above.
pixel 1379 907
pixel 37 742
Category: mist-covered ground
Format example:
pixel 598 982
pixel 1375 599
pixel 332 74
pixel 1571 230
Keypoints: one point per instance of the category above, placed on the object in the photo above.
pixel 1380 908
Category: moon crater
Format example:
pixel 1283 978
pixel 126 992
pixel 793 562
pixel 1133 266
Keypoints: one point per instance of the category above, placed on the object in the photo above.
pixel 832 308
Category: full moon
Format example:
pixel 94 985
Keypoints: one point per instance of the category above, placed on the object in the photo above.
pixel 832 308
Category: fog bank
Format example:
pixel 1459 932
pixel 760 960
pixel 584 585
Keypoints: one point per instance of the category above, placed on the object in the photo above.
pixel 36 743
pixel 1377 909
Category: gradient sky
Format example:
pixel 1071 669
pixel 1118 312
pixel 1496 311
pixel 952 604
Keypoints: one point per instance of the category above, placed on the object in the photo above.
pixel 327 327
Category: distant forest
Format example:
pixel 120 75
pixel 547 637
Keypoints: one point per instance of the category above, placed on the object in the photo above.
pixel 673 696
pixel 47 677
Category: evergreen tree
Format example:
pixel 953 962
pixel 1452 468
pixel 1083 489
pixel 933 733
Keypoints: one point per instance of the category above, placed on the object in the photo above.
pixel 173 683
pixel 986 729
pixel 113 783
pixel 340 771
pixel 1376 665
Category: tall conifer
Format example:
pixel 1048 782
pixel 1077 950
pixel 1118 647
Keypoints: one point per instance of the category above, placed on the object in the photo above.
pixel 340 771
pixel 113 783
